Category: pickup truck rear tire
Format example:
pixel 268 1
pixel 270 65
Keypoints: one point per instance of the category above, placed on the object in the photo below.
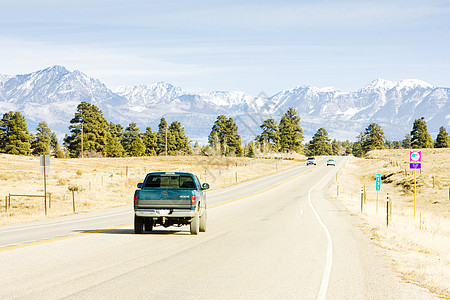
pixel 203 219
pixel 194 225
pixel 138 225
pixel 148 224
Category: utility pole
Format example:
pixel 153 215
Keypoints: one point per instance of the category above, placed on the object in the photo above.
pixel 166 140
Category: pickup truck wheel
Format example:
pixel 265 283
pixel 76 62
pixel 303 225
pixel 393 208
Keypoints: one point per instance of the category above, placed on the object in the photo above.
pixel 138 225
pixel 194 225
pixel 148 224
pixel 203 219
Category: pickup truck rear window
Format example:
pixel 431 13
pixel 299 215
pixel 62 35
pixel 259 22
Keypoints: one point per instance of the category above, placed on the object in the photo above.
pixel 171 181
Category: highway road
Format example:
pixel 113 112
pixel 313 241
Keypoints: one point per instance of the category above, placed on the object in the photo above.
pixel 277 237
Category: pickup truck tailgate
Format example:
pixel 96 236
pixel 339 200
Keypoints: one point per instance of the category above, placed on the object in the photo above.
pixel 165 198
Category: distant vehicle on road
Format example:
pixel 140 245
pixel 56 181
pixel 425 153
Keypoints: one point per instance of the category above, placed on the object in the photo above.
pixel 331 162
pixel 311 161
pixel 170 199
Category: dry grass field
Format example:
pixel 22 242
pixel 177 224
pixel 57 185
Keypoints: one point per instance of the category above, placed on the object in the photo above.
pixel 108 182
pixel 418 246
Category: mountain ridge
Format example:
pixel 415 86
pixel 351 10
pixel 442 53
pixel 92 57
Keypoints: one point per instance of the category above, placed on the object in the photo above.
pixel 52 95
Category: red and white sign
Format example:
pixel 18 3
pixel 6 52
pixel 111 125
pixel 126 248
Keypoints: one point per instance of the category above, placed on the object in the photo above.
pixel 415 156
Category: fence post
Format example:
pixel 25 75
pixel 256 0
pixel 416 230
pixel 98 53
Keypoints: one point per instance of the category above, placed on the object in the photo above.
pixel 73 200
pixel 388 209
pixel 365 195
pixel 362 199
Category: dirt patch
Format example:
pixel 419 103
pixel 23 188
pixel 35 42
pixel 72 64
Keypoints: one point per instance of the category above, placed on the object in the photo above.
pixel 418 245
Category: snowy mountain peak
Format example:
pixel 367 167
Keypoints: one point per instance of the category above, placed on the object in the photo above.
pixel 313 89
pixel 53 94
pixel 413 84
pixel 4 78
pixel 407 84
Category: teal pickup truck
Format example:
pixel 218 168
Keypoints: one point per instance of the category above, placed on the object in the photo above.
pixel 170 199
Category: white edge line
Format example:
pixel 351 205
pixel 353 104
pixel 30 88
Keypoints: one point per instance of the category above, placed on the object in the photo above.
pixel 326 275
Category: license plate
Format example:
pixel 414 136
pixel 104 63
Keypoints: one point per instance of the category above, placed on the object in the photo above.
pixel 163 211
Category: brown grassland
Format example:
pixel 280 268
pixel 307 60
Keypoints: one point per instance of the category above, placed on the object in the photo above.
pixel 108 182
pixel 419 246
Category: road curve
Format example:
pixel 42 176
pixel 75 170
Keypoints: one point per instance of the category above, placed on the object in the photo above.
pixel 278 237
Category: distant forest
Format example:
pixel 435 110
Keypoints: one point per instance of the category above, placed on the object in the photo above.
pixel 91 135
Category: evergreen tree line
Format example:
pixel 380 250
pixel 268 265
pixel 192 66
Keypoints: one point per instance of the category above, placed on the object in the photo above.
pixel 92 135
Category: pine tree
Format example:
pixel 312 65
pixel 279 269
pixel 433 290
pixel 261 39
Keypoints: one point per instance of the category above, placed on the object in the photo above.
pixel 178 141
pixel 336 148
pixel 42 141
pixel 357 146
pixel 113 146
pixel 373 138
pixel 269 139
pixel 161 137
pixel 442 139
pixel 88 118
pixel 249 150
pixel 406 143
pixel 420 138
pixel 320 144
pixel 14 135
pixel 137 147
pixel 150 141
pixel 291 134
pixel 129 135
pixel 224 135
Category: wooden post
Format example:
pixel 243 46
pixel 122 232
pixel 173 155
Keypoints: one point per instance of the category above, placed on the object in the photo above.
pixel 365 195
pixel 6 203
pixel 73 200
pixel 50 200
pixel 45 187
pixel 388 204
pixel 362 199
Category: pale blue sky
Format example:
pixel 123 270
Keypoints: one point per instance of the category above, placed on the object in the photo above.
pixel 251 46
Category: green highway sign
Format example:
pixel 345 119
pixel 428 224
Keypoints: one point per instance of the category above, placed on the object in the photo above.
pixel 378 182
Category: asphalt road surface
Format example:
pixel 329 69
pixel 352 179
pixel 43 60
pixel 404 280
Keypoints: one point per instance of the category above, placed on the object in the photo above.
pixel 278 237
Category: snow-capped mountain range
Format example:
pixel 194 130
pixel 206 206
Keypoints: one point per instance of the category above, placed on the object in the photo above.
pixel 53 94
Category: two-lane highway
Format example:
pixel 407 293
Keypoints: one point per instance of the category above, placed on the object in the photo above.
pixel 278 237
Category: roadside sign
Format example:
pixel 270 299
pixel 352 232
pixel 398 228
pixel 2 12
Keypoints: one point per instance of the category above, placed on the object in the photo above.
pixel 415 156
pixel 415 159
pixel 378 182
pixel 45 162
pixel 415 165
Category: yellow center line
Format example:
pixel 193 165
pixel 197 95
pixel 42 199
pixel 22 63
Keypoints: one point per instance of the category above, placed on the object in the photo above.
pixel 60 238
pixel 266 190
pixel 126 225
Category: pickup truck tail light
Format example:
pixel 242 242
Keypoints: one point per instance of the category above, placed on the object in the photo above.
pixel 193 199
pixel 135 199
